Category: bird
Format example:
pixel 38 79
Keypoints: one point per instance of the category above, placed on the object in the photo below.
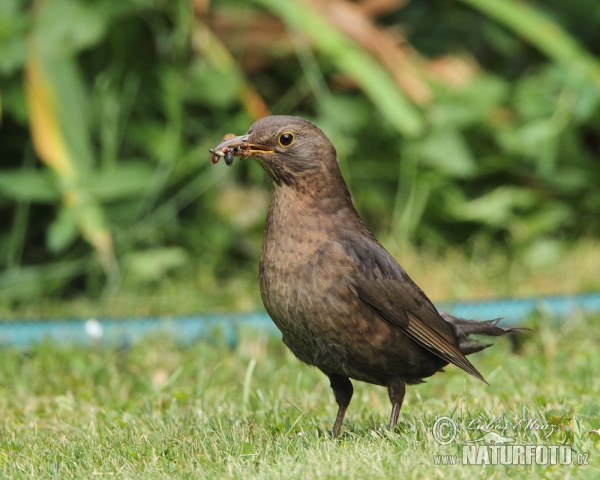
pixel 342 303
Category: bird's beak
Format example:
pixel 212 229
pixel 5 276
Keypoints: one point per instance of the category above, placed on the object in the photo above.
pixel 229 143
pixel 239 147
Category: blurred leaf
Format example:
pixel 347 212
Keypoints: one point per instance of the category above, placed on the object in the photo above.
pixel 14 102
pixel 62 231
pixel 447 151
pixel 71 111
pixel 548 36
pixel 161 82
pixel 60 133
pixel 413 208
pixel 29 283
pixel 569 179
pixel 125 180
pixel 542 253
pixel 243 207
pixel 65 27
pixel 534 135
pixel 210 47
pixel 13 53
pixel 29 185
pixel 47 137
pixel 215 86
pixel 92 224
pixel 373 79
pixel 536 94
pixel 345 112
pixel 160 143
pixel 580 96
pixel 247 449
pixel 542 222
pixel 13 44
pixel 341 117
pixel 404 65
pixel 151 265
pixel 497 207
pixel 473 103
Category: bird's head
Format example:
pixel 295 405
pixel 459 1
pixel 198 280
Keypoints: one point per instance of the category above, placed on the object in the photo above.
pixel 293 151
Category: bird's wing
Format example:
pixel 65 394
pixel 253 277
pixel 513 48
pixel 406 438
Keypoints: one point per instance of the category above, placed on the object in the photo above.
pixel 388 291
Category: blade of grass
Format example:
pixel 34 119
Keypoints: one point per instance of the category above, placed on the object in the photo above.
pixel 247 382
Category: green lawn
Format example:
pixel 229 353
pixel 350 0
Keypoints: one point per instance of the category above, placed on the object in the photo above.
pixel 156 409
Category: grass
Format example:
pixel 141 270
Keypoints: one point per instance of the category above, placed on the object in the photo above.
pixel 156 409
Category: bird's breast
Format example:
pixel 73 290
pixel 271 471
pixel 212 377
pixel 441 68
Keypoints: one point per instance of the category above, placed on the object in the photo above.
pixel 307 287
pixel 297 278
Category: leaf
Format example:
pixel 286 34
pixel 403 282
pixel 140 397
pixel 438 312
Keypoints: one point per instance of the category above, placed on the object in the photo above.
pixel 72 109
pixel 45 129
pixel 155 140
pixel 474 103
pixel 247 449
pixel 125 180
pixel 215 86
pixel 58 118
pixel 345 112
pixel 29 186
pixel 547 36
pixel 447 151
pixel 546 219
pixel 27 283
pixel 62 231
pixel 495 208
pixel 536 94
pixel 13 102
pixel 372 78
pixel 542 253
pixel 63 27
pixel 13 44
pixel 152 264
pixel 92 224
pixel 534 135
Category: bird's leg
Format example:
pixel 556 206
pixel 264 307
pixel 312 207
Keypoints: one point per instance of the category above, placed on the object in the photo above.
pixel 342 389
pixel 396 391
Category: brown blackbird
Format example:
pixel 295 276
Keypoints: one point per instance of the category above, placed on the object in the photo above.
pixel 342 303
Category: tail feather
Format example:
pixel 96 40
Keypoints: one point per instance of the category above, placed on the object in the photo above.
pixel 467 348
pixel 464 328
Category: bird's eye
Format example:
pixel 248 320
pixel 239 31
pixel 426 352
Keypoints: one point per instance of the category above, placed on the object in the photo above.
pixel 286 139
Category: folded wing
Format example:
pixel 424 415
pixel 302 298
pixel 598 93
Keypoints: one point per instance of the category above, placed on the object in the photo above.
pixel 388 291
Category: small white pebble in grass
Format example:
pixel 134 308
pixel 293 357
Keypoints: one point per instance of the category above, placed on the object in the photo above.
pixel 94 329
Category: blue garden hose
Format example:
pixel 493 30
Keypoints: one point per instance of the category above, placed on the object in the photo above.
pixel 185 328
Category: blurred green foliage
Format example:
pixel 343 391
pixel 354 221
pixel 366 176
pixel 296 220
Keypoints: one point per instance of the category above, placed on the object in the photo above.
pixel 453 121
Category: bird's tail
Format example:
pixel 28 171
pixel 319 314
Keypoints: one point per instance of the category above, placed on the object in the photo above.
pixel 464 328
